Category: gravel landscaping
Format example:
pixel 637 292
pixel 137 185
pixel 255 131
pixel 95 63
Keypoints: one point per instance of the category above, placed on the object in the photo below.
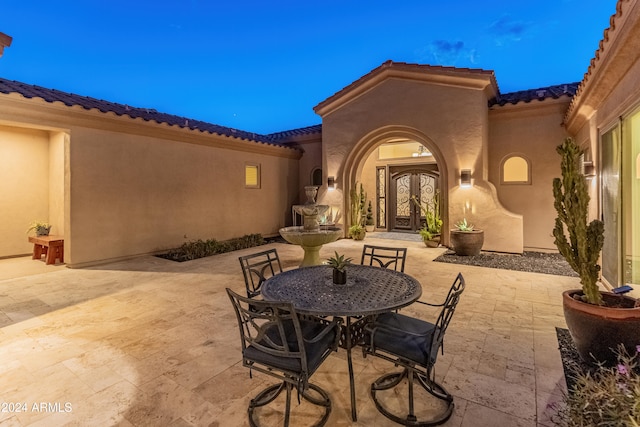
pixel 535 262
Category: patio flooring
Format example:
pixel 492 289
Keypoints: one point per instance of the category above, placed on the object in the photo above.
pixel 151 342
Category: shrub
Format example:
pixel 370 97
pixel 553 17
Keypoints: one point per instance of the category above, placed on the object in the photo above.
pixel 203 248
pixel 607 397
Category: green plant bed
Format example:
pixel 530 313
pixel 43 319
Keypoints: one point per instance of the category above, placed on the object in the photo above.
pixel 204 248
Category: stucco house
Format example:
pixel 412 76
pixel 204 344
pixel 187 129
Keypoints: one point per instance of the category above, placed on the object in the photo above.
pixel 119 181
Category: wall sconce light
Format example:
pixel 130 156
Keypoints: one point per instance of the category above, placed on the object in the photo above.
pixel 465 178
pixel 588 169
pixel 331 182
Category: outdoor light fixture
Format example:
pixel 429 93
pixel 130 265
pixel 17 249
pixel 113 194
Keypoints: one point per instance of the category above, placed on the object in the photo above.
pixel 331 182
pixel 465 178
pixel 588 169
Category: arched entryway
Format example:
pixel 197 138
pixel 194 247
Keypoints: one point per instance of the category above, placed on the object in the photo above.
pixel 394 180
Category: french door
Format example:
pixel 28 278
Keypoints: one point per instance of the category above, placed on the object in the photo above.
pixel 404 184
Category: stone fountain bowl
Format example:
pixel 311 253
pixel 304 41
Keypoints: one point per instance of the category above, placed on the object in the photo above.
pixel 298 236
pixel 310 241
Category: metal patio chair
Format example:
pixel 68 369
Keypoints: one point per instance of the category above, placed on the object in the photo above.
pixel 258 267
pixel 385 257
pixel 277 342
pixel 412 344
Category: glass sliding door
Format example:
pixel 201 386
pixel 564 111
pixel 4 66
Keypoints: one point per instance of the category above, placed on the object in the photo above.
pixel 631 198
pixel 610 182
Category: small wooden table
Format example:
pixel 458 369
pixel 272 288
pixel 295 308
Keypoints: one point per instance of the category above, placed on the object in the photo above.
pixel 51 246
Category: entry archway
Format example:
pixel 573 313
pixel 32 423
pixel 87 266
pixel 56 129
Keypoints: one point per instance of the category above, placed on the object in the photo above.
pixel 355 160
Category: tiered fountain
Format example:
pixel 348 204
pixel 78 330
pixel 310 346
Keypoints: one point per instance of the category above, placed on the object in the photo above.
pixel 312 234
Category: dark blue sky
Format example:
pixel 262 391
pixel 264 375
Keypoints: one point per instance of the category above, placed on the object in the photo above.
pixel 261 66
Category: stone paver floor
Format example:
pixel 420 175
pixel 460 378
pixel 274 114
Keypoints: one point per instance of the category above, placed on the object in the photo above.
pixel 150 342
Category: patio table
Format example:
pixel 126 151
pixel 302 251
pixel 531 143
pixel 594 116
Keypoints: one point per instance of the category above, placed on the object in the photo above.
pixel 368 291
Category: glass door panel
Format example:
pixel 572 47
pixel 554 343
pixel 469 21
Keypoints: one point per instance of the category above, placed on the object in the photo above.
pixel 610 182
pixel 631 199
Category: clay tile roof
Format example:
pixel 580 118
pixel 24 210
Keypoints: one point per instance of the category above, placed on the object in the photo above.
pixel 405 66
pixel 293 133
pixel 540 94
pixel 599 53
pixel 147 114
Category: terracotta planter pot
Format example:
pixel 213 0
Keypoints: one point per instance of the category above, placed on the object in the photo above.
pixel 467 243
pixel 597 330
pixel 434 242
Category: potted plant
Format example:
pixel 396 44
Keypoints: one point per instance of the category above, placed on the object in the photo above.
pixel 466 239
pixel 357 230
pixel 40 227
pixel 598 321
pixel 432 229
pixel 608 396
pixel 339 264
pixel 369 223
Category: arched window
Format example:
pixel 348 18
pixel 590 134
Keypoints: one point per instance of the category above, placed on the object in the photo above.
pixel 316 177
pixel 515 169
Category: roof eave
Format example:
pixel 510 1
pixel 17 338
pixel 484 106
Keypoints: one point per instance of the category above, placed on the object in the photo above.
pixel 471 78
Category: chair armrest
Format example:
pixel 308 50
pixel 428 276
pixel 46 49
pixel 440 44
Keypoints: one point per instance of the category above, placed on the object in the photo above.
pixel 430 304
pixel 335 323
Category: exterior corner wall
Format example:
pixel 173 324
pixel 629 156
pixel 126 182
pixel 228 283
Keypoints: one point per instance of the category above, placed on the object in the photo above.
pixel 532 131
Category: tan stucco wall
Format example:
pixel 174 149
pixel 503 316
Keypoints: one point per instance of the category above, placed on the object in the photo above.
pixel 118 187
pixel 138 194
pixel 450 121
pixel 24 186
pixel 311 159
pixel 532 131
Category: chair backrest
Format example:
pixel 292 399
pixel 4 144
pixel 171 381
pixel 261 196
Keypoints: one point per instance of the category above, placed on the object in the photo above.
pixel 385 257
pixel 257 268
pixel 270 333
pixel 444 318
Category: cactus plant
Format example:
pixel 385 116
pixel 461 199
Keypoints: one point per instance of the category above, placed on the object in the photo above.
pixel 578 242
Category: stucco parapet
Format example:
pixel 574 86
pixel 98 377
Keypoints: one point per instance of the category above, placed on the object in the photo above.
pixel 616 53
pixel 15 110
pixel 476 79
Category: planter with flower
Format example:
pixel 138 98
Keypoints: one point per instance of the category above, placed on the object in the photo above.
pixel 40 227
pixel 339 264
pixel 466 240
pixel 432 229
pixel 598 321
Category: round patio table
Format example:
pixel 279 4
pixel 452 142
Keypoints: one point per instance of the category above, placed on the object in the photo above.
pixel 368 291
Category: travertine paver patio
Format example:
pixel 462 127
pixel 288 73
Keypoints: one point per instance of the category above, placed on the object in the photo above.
pixel 149 342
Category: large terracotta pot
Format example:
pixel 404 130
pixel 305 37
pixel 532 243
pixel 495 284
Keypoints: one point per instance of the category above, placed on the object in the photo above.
pixel 467 242
pixel 598 330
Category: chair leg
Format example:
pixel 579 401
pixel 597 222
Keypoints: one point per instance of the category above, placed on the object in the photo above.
pixel 269 394
pixel 389 381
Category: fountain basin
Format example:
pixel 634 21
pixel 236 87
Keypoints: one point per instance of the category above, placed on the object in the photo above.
pixel 311 241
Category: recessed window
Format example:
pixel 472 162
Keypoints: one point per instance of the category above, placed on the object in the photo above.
pixel 316 177
pixel 252 175
pixel 515 170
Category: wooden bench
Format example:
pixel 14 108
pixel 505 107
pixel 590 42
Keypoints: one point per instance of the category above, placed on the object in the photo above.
pixel 51 246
